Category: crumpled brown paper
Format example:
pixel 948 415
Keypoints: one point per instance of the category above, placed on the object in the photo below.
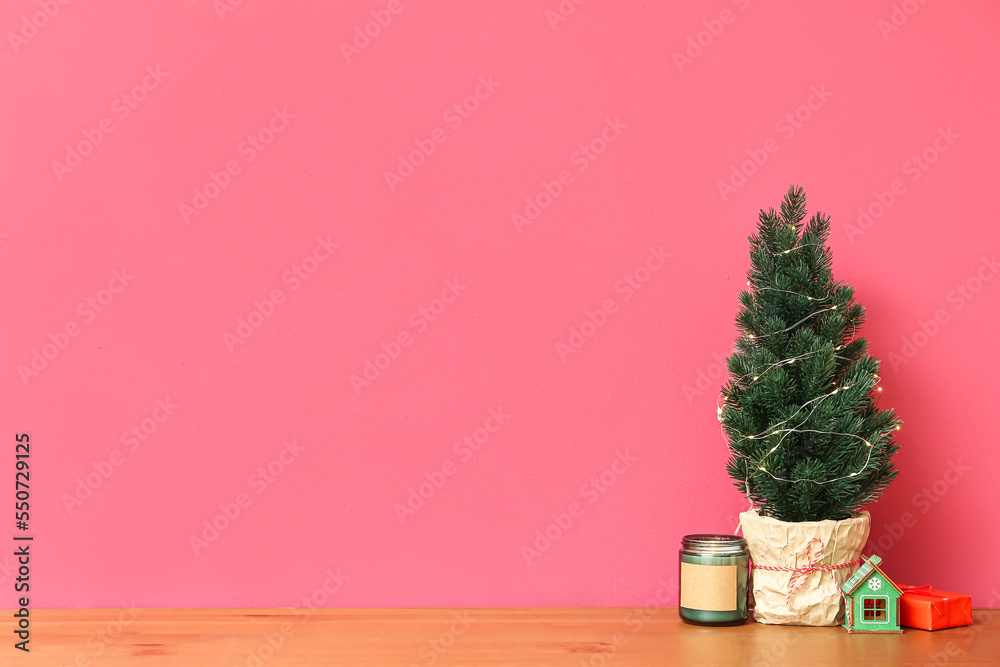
pixel 784 544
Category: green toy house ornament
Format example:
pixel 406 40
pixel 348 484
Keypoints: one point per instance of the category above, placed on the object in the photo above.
pixel 872 600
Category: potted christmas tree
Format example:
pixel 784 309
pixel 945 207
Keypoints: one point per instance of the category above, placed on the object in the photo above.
pixel 809 446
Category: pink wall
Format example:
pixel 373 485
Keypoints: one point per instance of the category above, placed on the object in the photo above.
pixel 135 286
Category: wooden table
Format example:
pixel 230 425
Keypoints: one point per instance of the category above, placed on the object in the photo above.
pixel 565 636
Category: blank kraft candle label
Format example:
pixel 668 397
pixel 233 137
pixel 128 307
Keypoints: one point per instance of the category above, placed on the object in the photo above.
pixel 708 587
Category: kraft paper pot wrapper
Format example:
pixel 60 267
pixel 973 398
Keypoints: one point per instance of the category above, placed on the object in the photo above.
pixel 786 544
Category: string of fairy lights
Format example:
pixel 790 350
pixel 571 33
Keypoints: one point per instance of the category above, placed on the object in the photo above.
pixel 798 247
pixel 792 360
pixel 775 289
pixel 807 317
pixel 775 429
pixel 786 362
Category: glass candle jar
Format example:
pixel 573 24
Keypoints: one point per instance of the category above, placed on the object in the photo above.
pixel 714 576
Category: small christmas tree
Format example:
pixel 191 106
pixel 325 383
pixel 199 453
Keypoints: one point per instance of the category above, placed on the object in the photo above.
pixel 807 440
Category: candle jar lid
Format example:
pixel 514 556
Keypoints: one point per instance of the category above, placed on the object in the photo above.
pixel 706 543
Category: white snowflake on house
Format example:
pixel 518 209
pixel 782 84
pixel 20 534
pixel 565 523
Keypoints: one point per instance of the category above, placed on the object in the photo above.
pixel 874 583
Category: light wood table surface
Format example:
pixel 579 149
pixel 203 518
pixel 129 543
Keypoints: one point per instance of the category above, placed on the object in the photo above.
pixel 619 637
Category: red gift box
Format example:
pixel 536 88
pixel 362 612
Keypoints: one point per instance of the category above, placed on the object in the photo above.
pixel 928 609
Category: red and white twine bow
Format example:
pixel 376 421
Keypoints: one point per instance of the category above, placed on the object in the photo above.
pixel 799 574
